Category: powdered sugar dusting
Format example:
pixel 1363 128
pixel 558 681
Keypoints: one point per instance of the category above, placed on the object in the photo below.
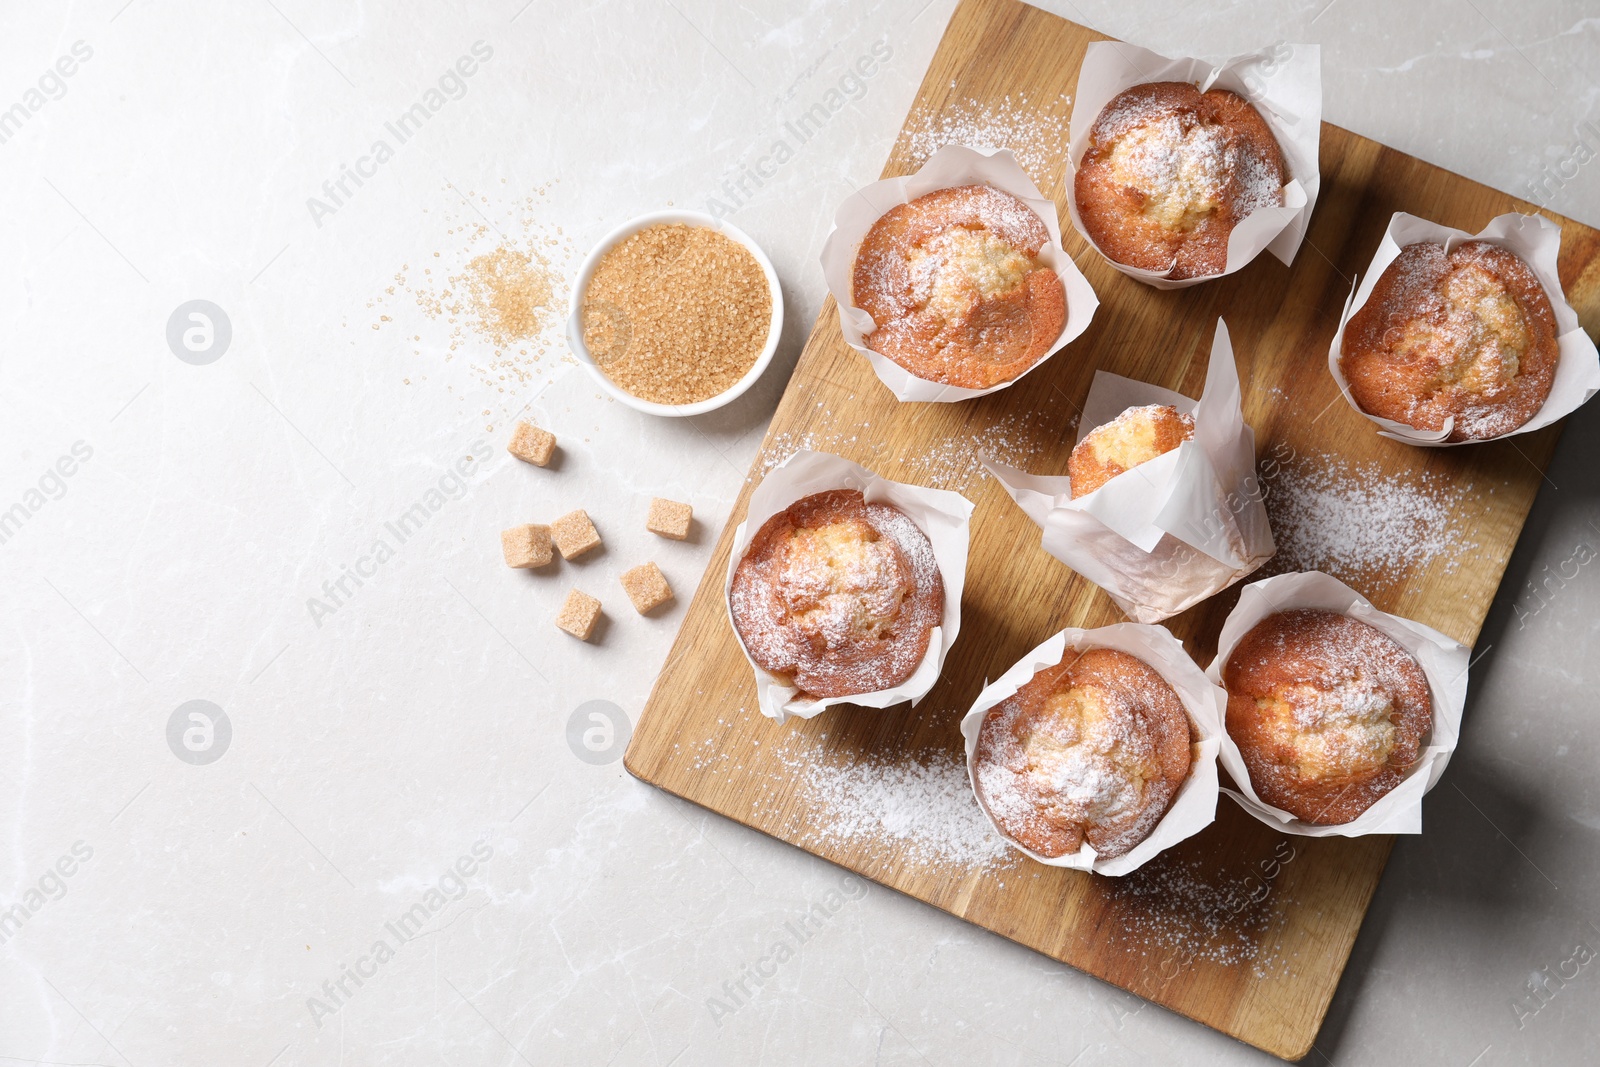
pixel 1036 136
pixel 835 591
pixel 1355 520
pixel 1353 701
pixel 1076 754
pixel 860 580
pixel 1342 728
pixel 785 444
pixel 1182 164
pixel 1445 335
pixel 953 462
pixel 922 809
pixel 956 462
pixel 970 236
pixel 1180 911
pixel 1181 172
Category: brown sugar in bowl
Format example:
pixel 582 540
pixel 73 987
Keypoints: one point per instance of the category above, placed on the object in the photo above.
pixel 586 273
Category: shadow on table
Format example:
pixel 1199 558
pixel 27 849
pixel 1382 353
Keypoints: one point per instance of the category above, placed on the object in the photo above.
pixel 1474 869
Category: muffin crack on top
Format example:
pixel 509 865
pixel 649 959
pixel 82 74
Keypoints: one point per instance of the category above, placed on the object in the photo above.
pixel 1467 335
pixel 1093 749
pixel 1329 713
pixel 838 596
pixel 1170 171
pixel 955 287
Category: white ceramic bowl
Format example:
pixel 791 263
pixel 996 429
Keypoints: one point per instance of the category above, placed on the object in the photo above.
pixel 581 284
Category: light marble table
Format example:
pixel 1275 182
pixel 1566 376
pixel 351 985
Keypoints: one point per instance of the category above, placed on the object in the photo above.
pixel 410 747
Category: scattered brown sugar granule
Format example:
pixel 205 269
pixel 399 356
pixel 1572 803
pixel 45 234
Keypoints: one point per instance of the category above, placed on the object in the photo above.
pixel 531 444
pixel 676 314
pixel 578 614
pixel 487 246
pixel 526 546
pixel 574 534
pixel 511 292
pixel 669 518
pixel 646 586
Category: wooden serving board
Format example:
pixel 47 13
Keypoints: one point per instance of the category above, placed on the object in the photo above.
pixel 1239 927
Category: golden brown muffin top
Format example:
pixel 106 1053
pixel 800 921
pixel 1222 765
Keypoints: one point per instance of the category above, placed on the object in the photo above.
pixel 1170 171
pixel 1092 749
pixel 837 595
pixel 1468 334
pixel 1328 712
pixel 955 287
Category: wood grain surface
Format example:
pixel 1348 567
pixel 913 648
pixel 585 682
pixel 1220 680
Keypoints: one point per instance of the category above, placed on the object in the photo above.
pixel 1239 928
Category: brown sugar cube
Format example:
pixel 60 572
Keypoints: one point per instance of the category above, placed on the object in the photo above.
pixel 574 534
pixel 578 614
pixel 526 546
pixel 669 518
pixel 646 586
pixel 531 444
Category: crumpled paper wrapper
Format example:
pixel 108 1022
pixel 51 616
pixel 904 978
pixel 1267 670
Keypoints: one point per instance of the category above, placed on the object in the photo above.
pixel 1443 660
pixel 1165 535
pixel 1283 82
pixel 950 166
pixel 1195 806
pixel 943 515
pixel 1538 241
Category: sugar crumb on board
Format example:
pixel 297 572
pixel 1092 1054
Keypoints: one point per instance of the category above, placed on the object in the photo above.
pixel 1037 136
pixel 1355 520
pixel 953 462
pixel 1181 910
pixel 919 808
pixel 1174 911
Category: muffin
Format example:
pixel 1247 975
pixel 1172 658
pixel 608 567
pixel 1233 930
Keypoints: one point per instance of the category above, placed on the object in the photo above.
pixel 1328 712
pixel 1170 171
pixel 955 288
pixel 837 596
pixel 1467 334
pixel 1137 436
pixel 1092 749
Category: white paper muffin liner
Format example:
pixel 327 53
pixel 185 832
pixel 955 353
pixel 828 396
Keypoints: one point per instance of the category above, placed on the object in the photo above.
pixel 1538 241
pixel 1165 535
pixel 1195 805
pixel 943 515
pixel 1282 81
pixel 949 167
pixel 1443 660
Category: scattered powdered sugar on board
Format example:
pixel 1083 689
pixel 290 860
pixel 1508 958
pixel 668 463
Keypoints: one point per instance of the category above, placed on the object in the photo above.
pixel 1354 520
pixel 1036 137
pixel 922 809
pixel 786 443
pixel 953 462
pixel 1174 911
pixel 1177 912
pixel 957 461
